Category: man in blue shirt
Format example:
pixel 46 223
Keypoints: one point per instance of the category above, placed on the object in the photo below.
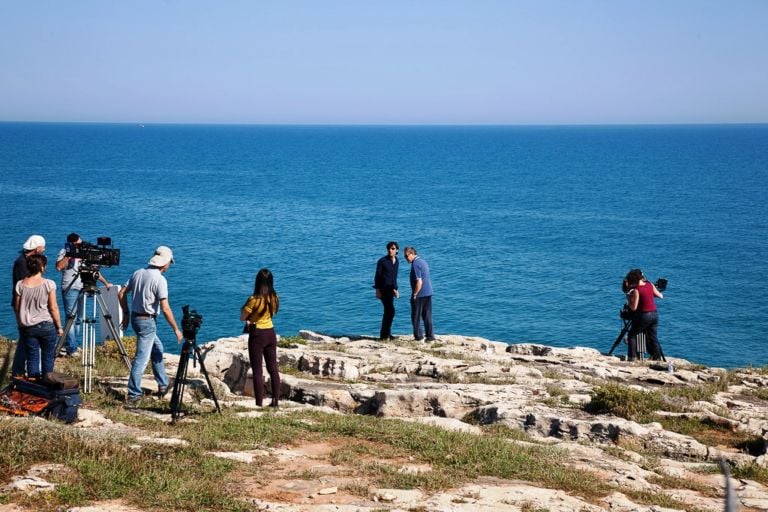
pixel 421 295
pixel 149 290
pixel 385 283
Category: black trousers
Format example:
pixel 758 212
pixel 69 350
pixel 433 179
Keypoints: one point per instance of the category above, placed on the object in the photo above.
pixel 262 344
pixel 421 310
pixel 388 301
pixel 644 322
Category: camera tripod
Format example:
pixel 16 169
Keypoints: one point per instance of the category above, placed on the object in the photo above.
pixel 90 291
pixel 189 350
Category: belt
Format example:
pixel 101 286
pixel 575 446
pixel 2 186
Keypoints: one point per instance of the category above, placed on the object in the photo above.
pixel 144 315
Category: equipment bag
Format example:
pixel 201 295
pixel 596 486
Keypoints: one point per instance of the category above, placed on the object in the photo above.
pixel 42 399
pixel 56 380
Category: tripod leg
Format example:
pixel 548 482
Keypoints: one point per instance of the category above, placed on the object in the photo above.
pixel 624 331
pixel 207 378
pixel 89 346
pixel 71 318
pixel 112 328
pixel 179 382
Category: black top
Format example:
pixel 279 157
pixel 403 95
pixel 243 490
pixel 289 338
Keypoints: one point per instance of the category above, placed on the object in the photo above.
pixel 386 273
pixel 19 272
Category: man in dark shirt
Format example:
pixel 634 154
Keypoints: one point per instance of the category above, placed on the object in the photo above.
pixel 385 283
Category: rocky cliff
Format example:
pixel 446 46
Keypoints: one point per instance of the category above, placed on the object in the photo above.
pixel 643 428
pixel 467 383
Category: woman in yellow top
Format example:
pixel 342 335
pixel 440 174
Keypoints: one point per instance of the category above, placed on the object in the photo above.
pixel 262 341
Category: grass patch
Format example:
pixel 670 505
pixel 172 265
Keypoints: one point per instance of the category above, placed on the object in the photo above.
pixel 640 406
pixel 759 393
pixel 290 341
pixel 7 349
pixel 672 482
pixel 456 457
pixel 106 467
pixel 660 499
pixel 701 392
pixel 751 472
pixel 553 374
pixel 714 433
pixel 623 401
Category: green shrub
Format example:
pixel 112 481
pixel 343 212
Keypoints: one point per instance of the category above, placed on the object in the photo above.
pixel 624 401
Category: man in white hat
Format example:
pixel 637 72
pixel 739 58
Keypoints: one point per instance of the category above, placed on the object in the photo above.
pixel 149 290
pixel 34 245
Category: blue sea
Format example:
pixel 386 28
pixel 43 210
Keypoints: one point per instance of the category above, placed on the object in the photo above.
pixel 528 230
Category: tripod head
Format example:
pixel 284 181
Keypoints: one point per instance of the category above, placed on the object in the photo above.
pixel 89 275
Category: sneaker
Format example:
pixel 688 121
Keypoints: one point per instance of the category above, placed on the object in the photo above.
pixel 74 354
pixel 132 402
pixel 161 391
pixel 62 352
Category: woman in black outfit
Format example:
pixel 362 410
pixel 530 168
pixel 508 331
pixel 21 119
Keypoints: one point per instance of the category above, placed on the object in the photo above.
pixel 262 340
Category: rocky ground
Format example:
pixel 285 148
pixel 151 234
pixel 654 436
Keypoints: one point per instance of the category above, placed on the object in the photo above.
pixel 465 384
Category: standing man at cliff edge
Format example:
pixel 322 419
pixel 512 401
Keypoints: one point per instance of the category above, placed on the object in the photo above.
pixel 385 283
pixel 421 295
pixel 150 293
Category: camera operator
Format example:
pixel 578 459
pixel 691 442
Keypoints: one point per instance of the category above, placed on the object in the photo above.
pixel 150 293
pixel 645 317
pixel 70 291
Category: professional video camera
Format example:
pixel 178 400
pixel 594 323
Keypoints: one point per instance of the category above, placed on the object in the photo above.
pixel 100 254
pixel 190 323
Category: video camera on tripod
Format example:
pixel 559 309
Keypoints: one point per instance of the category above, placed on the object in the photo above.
pixel 190 324
pixel 92 258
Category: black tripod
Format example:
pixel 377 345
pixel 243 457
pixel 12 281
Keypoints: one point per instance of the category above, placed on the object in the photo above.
pixel 190 323
pixel 90 291
pixel 624 330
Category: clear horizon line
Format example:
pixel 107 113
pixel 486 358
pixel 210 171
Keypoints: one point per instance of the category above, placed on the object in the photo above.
pixel 469 125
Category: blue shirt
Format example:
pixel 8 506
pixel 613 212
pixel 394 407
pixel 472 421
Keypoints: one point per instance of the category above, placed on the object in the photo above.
pixel 420 270
pixel 149 287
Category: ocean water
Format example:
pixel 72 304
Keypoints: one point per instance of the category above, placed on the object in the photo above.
pixel 528 230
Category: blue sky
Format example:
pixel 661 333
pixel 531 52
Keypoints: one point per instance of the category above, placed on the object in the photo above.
pixel 393 62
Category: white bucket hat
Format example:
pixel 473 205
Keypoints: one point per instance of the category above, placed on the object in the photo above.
pixel 161 257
